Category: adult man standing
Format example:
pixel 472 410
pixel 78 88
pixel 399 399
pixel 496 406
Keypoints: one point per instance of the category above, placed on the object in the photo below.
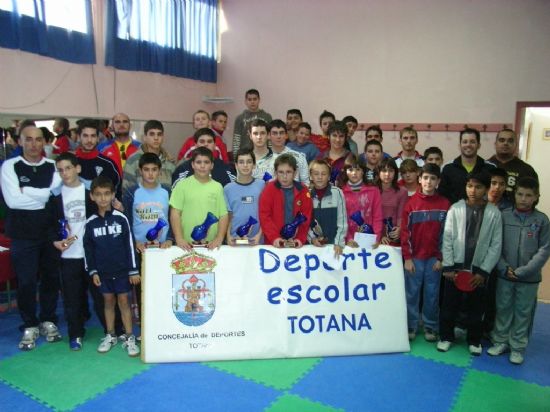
pixel 505 158
pixel 26 182
pixel 93 163
pixel 122 146
pixel 408 137
pixel 454 174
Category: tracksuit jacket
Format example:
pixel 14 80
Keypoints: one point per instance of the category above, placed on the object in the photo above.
pixel 330 213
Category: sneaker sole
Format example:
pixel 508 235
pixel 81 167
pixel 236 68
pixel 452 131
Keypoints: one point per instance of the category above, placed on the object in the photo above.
pixel 27 346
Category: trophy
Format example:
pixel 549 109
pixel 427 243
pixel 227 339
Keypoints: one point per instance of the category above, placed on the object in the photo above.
pixel 153 234
pixel 64 233
pixel 388 223
pixel 316 232
pixel 243 231
pixel 362 226
pixel 267 177
pixel 200 232
pixel 334 175
pixel 288 231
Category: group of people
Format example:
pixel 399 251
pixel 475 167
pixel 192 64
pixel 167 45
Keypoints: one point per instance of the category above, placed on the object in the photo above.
pixel 82 220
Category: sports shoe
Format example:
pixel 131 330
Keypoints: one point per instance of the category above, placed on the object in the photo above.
pixel 122 337
pixel 75 344
pixel 50 331
pixel 28 341
pixel 412 334
pixel 498 349
pixel 460 333
pixel 131 346
pixel 443 345
pixel 475 350
pixel 107 343
pixel 516 358
pixel 430 335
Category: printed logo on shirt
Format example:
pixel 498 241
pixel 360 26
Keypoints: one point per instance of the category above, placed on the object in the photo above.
pixel 113 230
pixel 98 170
pixel 24 179
pixel 247 199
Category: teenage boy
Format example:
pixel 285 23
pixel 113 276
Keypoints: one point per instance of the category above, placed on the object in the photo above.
pixel 505 158
pixel 152 143
pixel 220 172
pixel 302 144
pixel 433 154
pixel 252 112
pixel 293 120
pixel 408 137
pixel 26 182
pixel 62 139
pixel 193 198
pixel 409 172
pixel 111 262
pixel 277 137
pixel 421 233
pixel 375 132
pixel 352 124
pixel 92 162
pixel 373 157
pixel 281 200
pixel 242 197
pixel 201 120
pixel 454 174
pixel 472 242
pixel 122 146
pixel 497 190
pixel 262 153
pixel 72 203
pixel 526 249
pixel 322 141
pixel 219 123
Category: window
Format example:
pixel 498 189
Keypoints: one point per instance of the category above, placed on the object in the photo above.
pixel 61 29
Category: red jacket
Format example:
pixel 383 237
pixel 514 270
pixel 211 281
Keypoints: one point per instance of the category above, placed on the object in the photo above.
pixel 422 226
pixel 111 151
pixel 189 145
pixel 272 211
pixel 61 144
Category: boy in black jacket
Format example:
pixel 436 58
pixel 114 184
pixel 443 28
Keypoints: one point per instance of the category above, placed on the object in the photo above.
pixel 111 261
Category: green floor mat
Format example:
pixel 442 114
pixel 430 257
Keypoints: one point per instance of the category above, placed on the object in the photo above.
pixel 292 403
pixel 277 373
pixel 482 391
pixel 458 355
pixel 48 372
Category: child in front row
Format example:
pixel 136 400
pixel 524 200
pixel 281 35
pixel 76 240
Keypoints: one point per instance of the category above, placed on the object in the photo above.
pixel 329 209
pixel 526 248
pixel 472 242
pixel 110 260
pixel 421 233
pixel 242 198
pixel 362 198
pixel 281 201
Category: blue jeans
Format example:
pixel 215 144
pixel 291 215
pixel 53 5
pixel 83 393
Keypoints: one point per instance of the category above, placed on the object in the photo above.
pixel 424 275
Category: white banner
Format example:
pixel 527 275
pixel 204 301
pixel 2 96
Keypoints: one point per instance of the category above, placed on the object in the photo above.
pixel 261 302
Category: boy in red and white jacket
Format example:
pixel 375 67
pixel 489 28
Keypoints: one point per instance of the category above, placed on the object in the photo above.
pixel 422 226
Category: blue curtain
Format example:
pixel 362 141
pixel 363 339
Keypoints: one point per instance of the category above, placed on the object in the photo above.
pixel 177 37
pixel 34 33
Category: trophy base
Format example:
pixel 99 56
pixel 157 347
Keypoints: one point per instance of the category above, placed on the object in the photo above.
pixel 199 244
pixel 289 243
pixel 69 241
pixel 242 242
pixel 152 245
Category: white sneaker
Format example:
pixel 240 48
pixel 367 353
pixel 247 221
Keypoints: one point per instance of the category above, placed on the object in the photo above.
pixel 475 350
pixel 131 346
pixel 516 358
pixel 28 341
pixel 107 343
pixel 50 331
pixel 430 335
pixel 498 349
pixel 460 333
pixel 443 345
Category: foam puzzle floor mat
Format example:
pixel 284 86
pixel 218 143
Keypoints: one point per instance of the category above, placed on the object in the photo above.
pixel 51 377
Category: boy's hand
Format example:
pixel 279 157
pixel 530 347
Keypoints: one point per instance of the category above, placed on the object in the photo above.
pixel 437 266
pixel 409 266
pixel 375 245
pixel 298 243
pixel 278 243
pixel 185 245
pixel 338 250
pixel 394 234
pixel 230 240
pixel 477 280
pixel 117 204
pixel 352 243
pixel 385 240
pixel 510 274
pixel 316 242
pixel 96 280
pixel 166 245
pixel 449 275
pixel 61 245
pixel 135 280
pixel 140 246
pixel 215 243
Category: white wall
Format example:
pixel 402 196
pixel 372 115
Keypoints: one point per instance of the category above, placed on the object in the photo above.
pixel 388 61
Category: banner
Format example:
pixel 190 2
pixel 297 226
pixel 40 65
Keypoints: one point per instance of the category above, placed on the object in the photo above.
pixel 262 302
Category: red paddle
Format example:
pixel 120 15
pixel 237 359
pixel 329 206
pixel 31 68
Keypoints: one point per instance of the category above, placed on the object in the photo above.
pixel 463 279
